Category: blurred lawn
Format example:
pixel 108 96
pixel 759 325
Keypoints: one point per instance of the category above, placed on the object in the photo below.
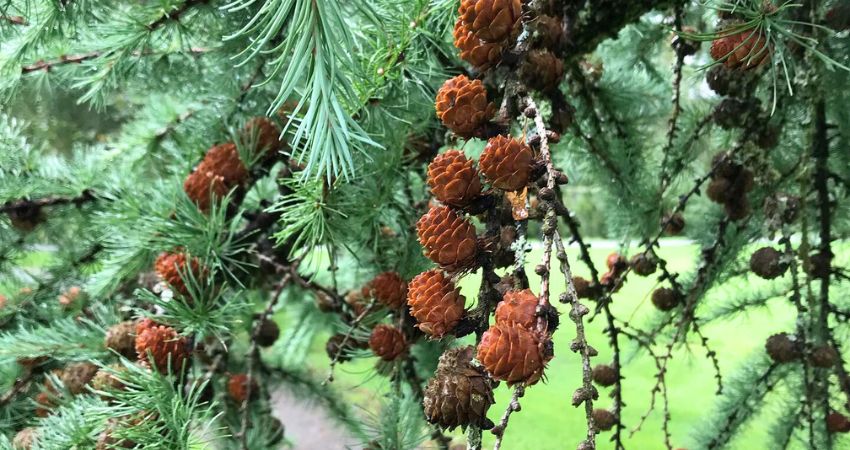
pixel 548 420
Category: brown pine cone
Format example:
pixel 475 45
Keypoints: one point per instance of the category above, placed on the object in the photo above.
pixel 542 70
pixel 453 179
pixel 265 134
pixel 44 400
pixel 481 54
pixel 837 423
pixel 27 218
pixel 107 439
pixel 220 171
pixel 665 299
pixel 463 107
pixel 643 264
pixel 782 348
pixel 675 224
pixel 616 262
pixel 435 302
pixel 518 307
pixel 491 20
pixel 269 332
pixel 744 50
pixel 824 356
pixel 448 239
pixel 204 187
pixel 334 348
pixel 604 419
pixel 459 395
pixel 838 17
pixel 605 375
pixel 105 380
pixel 767 263
pixel 726 81
pixel 171 266
pixel 237 388
pixel 512 353
pixel 387 342
pixel 718 190
pixel 121 338
pixel 388 288
pixel 550 31
pixel 819 265
pixel 164 345
pixel 583 287
pixel 76 376
pixel 25 439
pixel 506 163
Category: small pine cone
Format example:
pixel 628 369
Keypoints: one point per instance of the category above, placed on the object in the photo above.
pixel 665 299
pixel 506 163
pixel 265 134
pixel 387 342
pixel 733 113
pixel 643 264
pixel 824 356
pixel 462 106
pixel 237 387
pixel 164 345
pixel 819 265
pixel 542 70
pixel 76 376
pixel 782 348
pixel 518 307
pixel 675 224
pixel 767 263
pixel 435 302
pixel 459 395
pixel 27 218
pixel 334 347
pixel 718 190
pixel 453 179
pixel 25 439
pixel 122 338
pixel 269 332
pixel 491 20
pixel 171 266
pixel 605 375
pixel 388 288
pixel 744 50
pixel 550 31
pixel 616 262
pixel 838 17
pixel 480 54
pixel 726 81
pixel 583 287
pixel 512 353
pixel 737 209
pixel 837 423
pixel 220 171
pixel 107 439
pixel 604 419
pixel 45 403
pixel 448 239
pixel 105 380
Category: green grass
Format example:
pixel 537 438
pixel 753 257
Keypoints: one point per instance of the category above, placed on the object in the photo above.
pixel 548 420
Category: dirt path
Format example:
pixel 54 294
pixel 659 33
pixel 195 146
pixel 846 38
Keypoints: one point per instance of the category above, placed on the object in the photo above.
pixel 308 426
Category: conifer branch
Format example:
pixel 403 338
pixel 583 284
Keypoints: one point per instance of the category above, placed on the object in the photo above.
pixel 34 204
pixel 672 123
pixel 513 406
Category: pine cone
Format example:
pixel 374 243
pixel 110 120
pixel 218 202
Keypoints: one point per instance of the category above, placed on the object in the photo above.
pixel 550 31
pixel 643 264
pixel 459 395
pixel 105 380
pixel 265 134
pixel 435 302
pixel 122 338
pixel 683 45
pixel 25 439
pixel 782 348
pixel 76 376
pixel 107 439
pixel 463 107
pixel 726 81
pixel 388 288
pixel 718 190
pixel 491 20
pixel 237 388
pixel 269 332
pixel 506 163
pixel 45 403
pixel 675 224
pixel 824 356
pixel 542 70
pixel 482 55
pixel 518 307
pixel 605 375
pixel 838 17
pixel 220 171
pixel 512 353
pixel 454 179
pixel 171 266
pixel 837 423
pixel 387 342
pixel 665 299
pixel 334 347
pixel 27 218
pixel 604 419
pixel 448 239
pixel 616 262
pixel 743 50
pixel 767 263
pixel 164 345
pixel 819 265
pixel 733 113
pixel 583 287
